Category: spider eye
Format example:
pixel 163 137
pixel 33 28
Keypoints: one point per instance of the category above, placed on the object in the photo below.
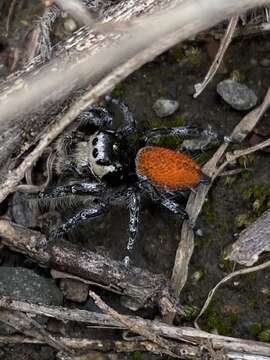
pixel 94 142
pixel 83 215
pixel 115 147
pixel 95 153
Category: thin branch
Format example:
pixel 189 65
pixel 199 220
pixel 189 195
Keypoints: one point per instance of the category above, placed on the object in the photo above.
pixel 224 44
pixel 103 345
pixel 225 279
pixel 188 338
pixel 134 327
pixel 31 327
pixel 10 14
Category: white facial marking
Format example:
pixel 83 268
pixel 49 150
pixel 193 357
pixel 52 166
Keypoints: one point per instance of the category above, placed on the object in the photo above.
pixel 99 150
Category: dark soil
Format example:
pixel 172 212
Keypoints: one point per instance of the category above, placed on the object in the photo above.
pixel 240 308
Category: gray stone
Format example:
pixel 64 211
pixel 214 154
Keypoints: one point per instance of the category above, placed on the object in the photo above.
pixel 70 25
pixel 74 290
pixel 165 107
pixel 265 62
pixel 24 284
pixel 238 95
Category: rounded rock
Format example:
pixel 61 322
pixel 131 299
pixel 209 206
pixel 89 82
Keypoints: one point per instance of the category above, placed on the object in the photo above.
pixel 165 107
pixel 70 25
pixel 238 95
pixel 25 285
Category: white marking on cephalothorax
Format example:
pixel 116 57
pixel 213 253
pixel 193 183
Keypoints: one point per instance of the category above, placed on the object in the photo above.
pixel 100 146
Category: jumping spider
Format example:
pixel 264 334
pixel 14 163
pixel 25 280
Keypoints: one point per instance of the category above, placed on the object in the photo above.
pixel 110 169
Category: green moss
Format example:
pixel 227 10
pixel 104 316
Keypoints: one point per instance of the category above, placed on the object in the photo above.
pixel 222 227
pixel 178 120
pixel 175 121
pixel 253 303
pixel 223 324
pixel 205 156
pixel 203 241
pixel 247 160
pixel 242 220
pixel 136 355
pixel 255 328
pixel 256 192
pixel 223 262
pixel 118 91
pixel 197 276
pixel 251 276
pixel 177 54
pixel 266 324
pixel 229 180
pixel 208 214
pixel 194 56
pixel 259 196
pixel 170 142
pixel 163 237
pixel 264 335
pixel 162 92
pixel 237 76
pixel 191 312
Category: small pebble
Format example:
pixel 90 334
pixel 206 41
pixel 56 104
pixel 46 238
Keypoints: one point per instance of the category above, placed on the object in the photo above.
pixel 74 290
pixel 70 25
pixel 236 94
pixel 265 62
pixel 165 107
pixel 253 62
pixel 196 144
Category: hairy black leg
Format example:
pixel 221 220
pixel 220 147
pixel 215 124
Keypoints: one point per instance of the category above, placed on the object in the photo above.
pixel 134 213
pixel 129 121
pixel 184 131
pixel 173 206
pixel 96 116
pixel 84 187
pixel 79 218
pixel 167 199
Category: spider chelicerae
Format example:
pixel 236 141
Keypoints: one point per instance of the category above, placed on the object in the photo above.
pixel 119 165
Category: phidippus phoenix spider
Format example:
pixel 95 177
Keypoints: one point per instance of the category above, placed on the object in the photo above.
pixel 112 168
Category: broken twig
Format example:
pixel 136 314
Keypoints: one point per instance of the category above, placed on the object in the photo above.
pixel 224 44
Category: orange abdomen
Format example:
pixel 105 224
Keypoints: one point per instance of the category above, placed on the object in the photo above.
pixel 167 168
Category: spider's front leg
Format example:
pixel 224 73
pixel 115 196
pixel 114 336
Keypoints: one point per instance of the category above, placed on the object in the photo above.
pixel 134 214
pixel 79 218
pixel 129 121
pixel 60 193
pixel 96 116
pixel 185 131
pixel 81 188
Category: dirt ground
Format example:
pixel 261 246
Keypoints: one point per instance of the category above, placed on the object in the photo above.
pixel 241 307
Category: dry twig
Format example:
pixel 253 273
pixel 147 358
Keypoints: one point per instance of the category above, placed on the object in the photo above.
pixel 134 327
pixel 225 279
pixel 193 338
pixel 10 14
pixel 224 44
pixel 133 282
pixel 31 327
